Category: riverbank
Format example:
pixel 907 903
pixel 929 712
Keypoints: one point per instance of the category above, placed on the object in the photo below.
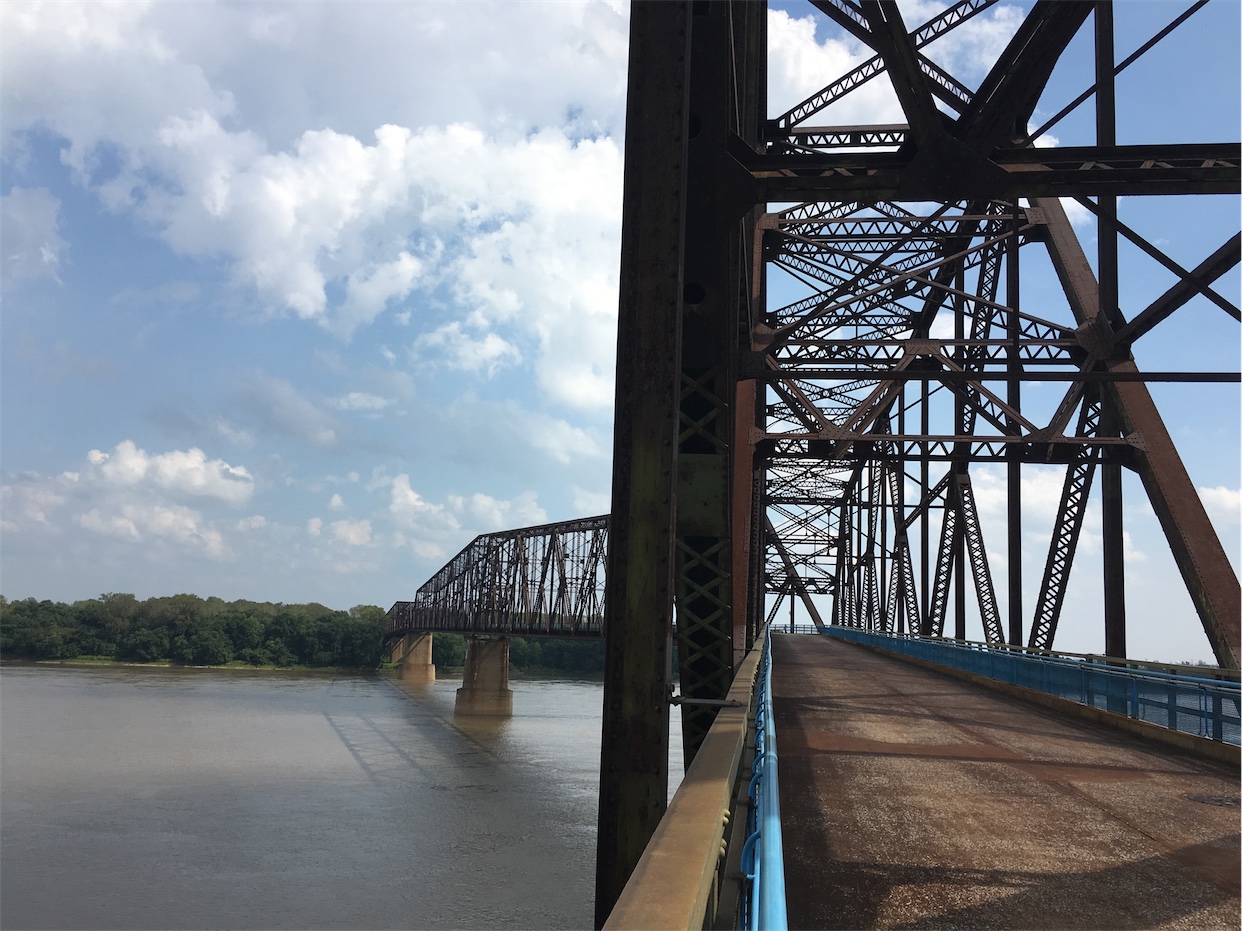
pixel 385 669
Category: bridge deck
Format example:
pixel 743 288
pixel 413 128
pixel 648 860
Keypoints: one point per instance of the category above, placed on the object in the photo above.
pixel 911 799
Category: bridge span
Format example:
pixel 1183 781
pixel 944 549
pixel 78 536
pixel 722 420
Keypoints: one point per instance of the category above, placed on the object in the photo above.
pixel 912 799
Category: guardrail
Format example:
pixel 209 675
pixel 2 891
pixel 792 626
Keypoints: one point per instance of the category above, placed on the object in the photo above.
pixel 691 873
pixel 763 857
pixel 1203 707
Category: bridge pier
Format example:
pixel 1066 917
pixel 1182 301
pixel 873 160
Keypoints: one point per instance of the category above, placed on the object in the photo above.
pixel 413 652
pixel 485 682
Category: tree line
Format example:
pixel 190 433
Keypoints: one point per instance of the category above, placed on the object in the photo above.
pixel 189 630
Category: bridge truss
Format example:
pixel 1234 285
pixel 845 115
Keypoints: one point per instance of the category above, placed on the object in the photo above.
pixel 829 333
pixel 544 581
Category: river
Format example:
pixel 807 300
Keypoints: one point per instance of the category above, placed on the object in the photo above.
pixel 173 798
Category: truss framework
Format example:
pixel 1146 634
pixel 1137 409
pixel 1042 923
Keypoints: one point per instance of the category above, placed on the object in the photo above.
pixel 909 347
pixel 545 581
pixel 823 334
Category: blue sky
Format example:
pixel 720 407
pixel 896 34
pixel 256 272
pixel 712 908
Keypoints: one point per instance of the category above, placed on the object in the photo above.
pixel 298 298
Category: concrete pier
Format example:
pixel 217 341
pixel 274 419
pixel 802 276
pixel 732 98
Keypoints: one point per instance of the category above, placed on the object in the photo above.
pixel 485 682
pixel 413 652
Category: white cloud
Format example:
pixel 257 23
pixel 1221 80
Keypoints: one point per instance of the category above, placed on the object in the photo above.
pixel 335 503
pixel 1041 491
pixel 187 472
pixel 314 526
pixel 408 507
pixel 136 522
pixel 1224 506
pixel 972 48
pixel 371 290
pixel 434 531
pixel 515 427
pixel 31 500
pixel 131 495
pixel 361 401
pixel 94 72
pixel 1223 501
pixel 353 532
pixel 29 220
pixel 339 222
pixel 800 65
pixel 462 351
pixel 490 514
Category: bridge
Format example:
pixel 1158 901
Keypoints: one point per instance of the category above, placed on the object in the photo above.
pixel 830 334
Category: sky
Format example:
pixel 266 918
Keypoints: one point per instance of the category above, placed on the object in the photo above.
pixel 299 298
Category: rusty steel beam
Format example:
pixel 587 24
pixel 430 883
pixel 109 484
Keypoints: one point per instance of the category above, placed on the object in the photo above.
pixel 1218 263
pixel 1209 577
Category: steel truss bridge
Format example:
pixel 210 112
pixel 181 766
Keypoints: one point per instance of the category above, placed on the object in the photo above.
pixel 826 329
pixel 829 331
pixel 545 581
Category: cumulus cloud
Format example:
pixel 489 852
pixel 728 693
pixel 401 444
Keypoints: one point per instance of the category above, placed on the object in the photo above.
pixel 353 532
pixel 435 530
pixel 337 223
pixel 411 509
pixel 801 63
pixel 31 500
pixel 32 248
pixel 971 49
pixel 1223 504
pixel 456 349
pixel 134 496
pixel 490 514
pixel 371 289
pixel 187 472
pixel 136 522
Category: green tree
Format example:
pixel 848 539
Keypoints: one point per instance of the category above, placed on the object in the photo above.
pixel 145 645
pixel 210 647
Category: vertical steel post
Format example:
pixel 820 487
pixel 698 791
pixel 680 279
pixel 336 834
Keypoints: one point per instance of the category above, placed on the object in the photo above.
pixel 961 452
pixel 634 751
pixel 1013 481
pixel 1106 233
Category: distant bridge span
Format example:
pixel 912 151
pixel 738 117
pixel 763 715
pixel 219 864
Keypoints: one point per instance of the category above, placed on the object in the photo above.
pixel 543 581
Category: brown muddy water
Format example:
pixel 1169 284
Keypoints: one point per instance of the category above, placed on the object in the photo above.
pixel 165 798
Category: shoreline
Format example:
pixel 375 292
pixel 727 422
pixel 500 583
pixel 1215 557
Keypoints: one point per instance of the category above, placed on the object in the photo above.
pixel 386 670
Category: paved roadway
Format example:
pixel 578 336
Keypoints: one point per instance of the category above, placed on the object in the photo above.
pixel 910 799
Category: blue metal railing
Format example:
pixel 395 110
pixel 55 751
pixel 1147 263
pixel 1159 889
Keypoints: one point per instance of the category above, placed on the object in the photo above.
pixel 1204 707
pixel 763 858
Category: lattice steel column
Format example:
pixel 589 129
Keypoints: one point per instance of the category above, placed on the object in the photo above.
pixel 727 43
pixel 634 752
